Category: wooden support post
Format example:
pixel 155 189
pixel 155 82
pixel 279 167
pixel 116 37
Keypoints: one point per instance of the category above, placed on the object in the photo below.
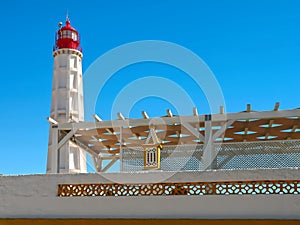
pixel 121 149
pixel 54 150
pixel 209 154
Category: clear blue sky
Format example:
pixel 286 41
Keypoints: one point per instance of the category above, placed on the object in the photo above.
pixel 252 47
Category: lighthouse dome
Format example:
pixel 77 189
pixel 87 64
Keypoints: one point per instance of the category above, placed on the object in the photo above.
pixel 67 37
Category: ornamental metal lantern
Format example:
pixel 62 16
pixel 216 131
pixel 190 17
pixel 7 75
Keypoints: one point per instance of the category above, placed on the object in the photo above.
pixel 152 156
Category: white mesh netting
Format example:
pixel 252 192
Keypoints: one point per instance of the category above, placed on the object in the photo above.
pixel 238 155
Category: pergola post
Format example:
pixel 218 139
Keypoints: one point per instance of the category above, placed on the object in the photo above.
pixel 209 153
pixel 54 150
pixel 121 148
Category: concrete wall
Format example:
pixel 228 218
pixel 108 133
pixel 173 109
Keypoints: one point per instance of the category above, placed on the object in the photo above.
pixel 35 196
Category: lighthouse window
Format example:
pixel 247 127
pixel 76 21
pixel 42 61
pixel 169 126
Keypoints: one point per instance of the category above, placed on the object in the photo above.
pixel 69 34
pixel 73 62
pixel 66 34
pixel 73 81
pixel 74 36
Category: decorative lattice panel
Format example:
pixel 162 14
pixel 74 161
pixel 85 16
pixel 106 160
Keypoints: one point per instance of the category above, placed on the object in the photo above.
pixel 195 188
pixel 239 155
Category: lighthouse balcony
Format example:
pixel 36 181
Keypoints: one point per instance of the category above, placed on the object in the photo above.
pixel 56 47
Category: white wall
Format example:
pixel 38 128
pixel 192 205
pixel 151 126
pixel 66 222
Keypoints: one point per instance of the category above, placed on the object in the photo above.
pixel 35 196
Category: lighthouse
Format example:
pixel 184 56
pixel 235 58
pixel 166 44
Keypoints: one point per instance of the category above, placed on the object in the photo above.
pixel 67 100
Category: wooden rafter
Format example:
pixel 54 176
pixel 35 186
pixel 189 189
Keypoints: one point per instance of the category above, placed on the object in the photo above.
pixel 102 137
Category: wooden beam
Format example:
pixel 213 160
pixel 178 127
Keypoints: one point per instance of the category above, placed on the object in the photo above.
pixel 194 132
pixel 222 130
pixel 52 121
pixel 112 162
pixel 195 111
pixel 222 109
pixel 120 115
pixel 145 115
pixel 178 120
pixel 169 113
pixel 97 118
pixel 248 108
pixel 276 107
pixel 294 128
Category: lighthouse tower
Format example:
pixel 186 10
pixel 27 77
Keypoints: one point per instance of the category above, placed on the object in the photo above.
pixel 67 99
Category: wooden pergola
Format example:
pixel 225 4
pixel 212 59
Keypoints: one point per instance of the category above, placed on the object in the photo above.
pixel 104 140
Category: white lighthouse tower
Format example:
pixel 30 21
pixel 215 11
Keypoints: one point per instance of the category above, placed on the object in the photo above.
pixel 67 99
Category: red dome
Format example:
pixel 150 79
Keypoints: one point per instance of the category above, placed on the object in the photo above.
pixel 67 37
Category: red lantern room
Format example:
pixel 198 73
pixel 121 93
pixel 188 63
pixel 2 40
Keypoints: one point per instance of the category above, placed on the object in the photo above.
pixel 67 37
